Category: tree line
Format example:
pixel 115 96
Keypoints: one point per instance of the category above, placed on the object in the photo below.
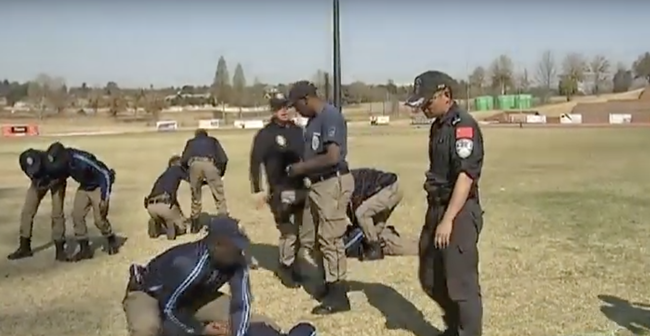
pixel 551 76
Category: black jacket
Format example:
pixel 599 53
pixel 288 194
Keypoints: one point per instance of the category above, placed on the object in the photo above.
pixel 276 146
pixel 368 182
pixel 184 274
pixel 89 172
pixel 206 147
pixel 169 181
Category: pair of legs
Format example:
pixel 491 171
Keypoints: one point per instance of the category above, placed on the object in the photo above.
pixel 166 218
pixel 205 172
pixel 33 200
pixel 392 243
pixel 84 202
pixel 144 318
pixel 450 276
pixel 326 208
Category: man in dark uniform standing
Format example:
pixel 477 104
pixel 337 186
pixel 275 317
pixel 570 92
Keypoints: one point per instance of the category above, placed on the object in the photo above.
pixel 326 148
pixel 207 161
pixel 276 146
pixel 162 203
pixel 95 184
pixel 34 164
pixel 448 268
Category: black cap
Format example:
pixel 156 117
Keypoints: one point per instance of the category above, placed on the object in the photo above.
pixel 426 84
pixel 31 160
pixel 301 90
pixel 277 100
pixel 226 226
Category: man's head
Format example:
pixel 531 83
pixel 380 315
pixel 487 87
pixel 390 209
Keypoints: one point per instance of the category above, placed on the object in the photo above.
pixel 200 132
pixel 432 93
pixel 174 160
pixel 55 149
pixel 279 105
pixel 226 242
pixel 303 96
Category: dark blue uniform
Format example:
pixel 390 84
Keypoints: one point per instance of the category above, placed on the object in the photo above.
pixel 169 181
pixel 182 278
pixel 203 146
pixel 90 172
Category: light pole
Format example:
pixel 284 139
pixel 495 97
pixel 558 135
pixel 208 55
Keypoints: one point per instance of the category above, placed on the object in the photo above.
pixel 336 57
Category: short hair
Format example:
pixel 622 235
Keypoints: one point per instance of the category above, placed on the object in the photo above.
pixel 200 132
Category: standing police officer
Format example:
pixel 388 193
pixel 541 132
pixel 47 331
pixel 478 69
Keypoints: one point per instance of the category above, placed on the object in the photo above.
pixel 448 269
pixel 95 183
pixel 207 161
pixel 34 164
pixel 325 165
pixel 162 204
pixel 276 146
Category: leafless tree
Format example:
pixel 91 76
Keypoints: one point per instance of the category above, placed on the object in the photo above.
pixel 522 81
pixel 502 73
pixel 574 67
pixel 546 72
pixel 599 67
pixel 477 81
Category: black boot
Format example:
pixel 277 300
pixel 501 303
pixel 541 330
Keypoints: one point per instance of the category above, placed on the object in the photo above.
pixel 154 230
pixel 59 250
pixel 195 226
pixel 288 276
pixel 85 252
pixel 113 247
pixel 336 301
pixel 24 250
pixel 170 232
pixel 373 252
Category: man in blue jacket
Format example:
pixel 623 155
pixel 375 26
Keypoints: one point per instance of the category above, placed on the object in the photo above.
pixel 178 292
pixel 95 183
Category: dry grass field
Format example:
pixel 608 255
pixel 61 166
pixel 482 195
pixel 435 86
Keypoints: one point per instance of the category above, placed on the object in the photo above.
pixel 564 248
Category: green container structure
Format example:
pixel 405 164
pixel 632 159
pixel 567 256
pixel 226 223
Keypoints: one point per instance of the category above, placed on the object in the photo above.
pixel 484 103
pixel 506 102
pixel 524 102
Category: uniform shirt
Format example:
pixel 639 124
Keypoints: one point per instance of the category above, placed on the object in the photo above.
pixel 32 163
pixel 169 181
pixel 455 146
pixel 90 172
pixel 276 146
pixel 325 128
pixel 184 275
pixel 207 147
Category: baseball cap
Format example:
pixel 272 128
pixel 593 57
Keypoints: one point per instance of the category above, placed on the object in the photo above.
pixel 426 84
pixel 31 159
pixel 228 227
pixel 301 90
pixel 277 100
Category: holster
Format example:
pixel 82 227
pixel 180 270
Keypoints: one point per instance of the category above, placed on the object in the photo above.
pixel 283 201
pixel 436 194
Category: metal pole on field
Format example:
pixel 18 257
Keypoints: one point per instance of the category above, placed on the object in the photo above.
pixel 336 57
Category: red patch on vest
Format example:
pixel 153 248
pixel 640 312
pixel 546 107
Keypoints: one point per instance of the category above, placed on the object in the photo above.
pixel 464 133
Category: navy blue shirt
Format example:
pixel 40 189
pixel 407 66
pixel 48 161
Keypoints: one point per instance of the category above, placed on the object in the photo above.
pixel 90 172
pixel 206 147
pixel 326 127
pixel 169 181
pixel 183 275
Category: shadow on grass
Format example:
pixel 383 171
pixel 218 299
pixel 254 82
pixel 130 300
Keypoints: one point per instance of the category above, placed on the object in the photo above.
pixel 633 316
pixel 400 313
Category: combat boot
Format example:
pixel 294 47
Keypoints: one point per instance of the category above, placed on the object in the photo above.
pixel 195 226
pixel 24 250
pixel 59 250
pixel 373 252
pixel 170 232
pixel 154 229
pixel 113 247
pixel 336 301
pixel 288 276
pixel 84 253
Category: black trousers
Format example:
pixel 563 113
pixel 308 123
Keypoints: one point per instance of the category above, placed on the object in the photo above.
pixel 450 276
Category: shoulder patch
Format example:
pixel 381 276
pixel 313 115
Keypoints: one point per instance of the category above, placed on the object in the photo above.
pixel 464 147
pixel 464 133
pixel 331 131
pixel 29 161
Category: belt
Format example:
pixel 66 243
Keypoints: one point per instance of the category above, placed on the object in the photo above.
pixel 329 175
pixel 201 158
pixel 164 198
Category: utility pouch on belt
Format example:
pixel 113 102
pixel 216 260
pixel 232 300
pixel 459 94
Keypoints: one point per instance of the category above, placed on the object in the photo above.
pixel 436 194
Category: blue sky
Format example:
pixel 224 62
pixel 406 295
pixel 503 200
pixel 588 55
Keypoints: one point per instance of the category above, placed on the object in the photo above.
pixel 168 42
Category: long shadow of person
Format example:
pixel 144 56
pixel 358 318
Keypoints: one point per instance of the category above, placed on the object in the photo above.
pixel 628 315
pixel 398 311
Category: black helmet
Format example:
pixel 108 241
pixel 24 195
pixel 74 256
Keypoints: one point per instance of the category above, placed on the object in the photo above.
pixel 277 100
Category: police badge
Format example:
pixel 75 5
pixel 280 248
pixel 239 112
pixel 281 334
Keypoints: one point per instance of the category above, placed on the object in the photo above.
pixel 29 161
pixel 315 141
pixel 280 140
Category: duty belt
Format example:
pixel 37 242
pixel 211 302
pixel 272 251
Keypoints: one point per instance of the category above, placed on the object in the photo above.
pixel 164 198
pixel 200 159
pixel 327 176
